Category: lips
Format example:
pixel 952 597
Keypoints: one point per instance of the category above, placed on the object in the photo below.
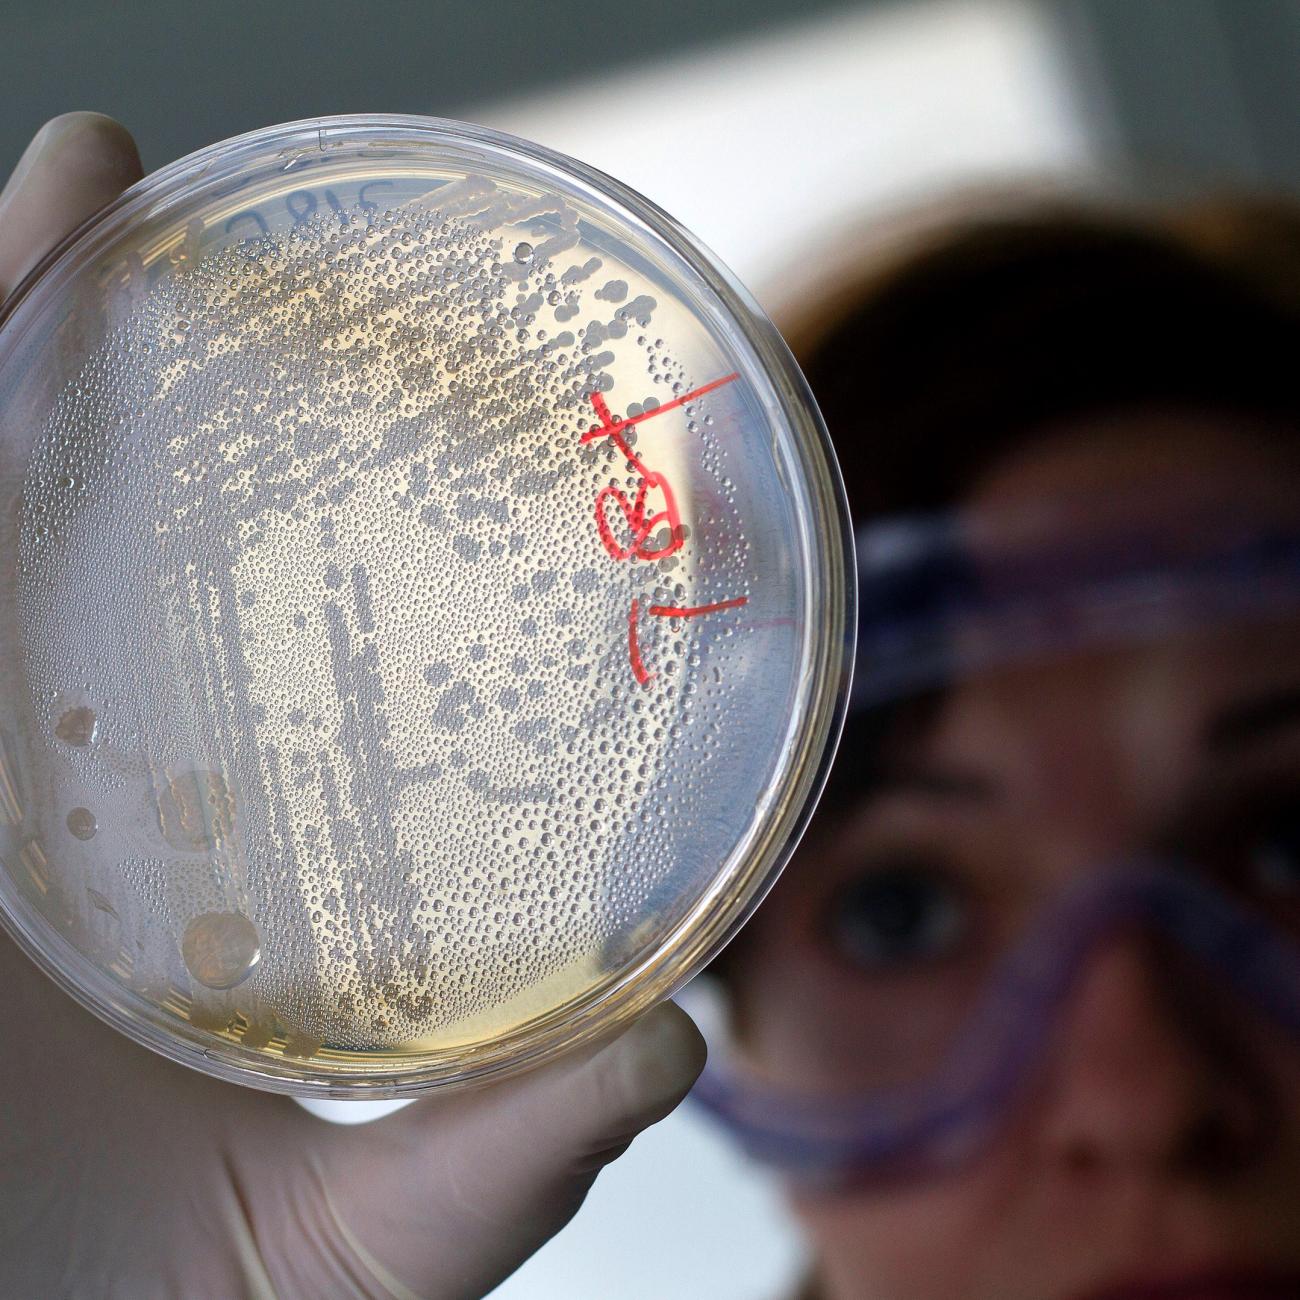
pixel 1224 1284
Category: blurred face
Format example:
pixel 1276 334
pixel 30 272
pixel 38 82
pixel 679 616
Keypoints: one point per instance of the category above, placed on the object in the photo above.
pixel 1157 1151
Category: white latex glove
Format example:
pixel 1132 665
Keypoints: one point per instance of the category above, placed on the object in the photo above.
pixel 123 1175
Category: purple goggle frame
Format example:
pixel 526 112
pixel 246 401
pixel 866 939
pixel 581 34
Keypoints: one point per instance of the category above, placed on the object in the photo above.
pixel 933 1125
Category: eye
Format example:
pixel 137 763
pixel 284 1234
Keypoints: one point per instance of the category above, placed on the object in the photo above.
pixel 1275 856
pixel 894 917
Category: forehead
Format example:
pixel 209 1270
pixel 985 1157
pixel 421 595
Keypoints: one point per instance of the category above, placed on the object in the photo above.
pixel 1105 468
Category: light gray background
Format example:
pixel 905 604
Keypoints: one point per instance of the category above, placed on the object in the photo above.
pixel 1203 88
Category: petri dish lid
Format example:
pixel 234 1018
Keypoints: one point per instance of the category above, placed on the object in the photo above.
pixel 427 611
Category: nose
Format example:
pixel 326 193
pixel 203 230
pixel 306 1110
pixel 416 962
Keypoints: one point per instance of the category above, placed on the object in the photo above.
pixel 1146 1077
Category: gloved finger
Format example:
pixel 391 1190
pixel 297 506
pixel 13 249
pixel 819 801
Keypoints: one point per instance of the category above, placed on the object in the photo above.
pixel 74 165
pixel 447 1198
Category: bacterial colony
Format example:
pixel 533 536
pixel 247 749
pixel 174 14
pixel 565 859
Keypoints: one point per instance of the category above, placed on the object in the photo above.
pixel 357 705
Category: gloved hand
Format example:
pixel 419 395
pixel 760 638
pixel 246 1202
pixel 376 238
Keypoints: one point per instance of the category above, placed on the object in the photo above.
pixel 124 1175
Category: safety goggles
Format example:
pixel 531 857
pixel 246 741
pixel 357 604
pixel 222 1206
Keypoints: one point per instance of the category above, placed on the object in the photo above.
pixel 934 1123
pixel 918 1074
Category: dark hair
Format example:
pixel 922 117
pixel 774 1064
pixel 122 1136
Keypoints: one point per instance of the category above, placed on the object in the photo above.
pixel 932 368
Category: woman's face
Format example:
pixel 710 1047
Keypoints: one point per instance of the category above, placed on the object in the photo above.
pixel 1146 1160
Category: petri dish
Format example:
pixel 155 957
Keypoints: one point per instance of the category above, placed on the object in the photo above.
pixel 426 612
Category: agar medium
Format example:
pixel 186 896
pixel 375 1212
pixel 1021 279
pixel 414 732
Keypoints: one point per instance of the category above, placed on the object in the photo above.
pixel 425 611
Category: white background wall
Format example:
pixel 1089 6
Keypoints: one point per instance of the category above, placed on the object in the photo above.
pixel 765 147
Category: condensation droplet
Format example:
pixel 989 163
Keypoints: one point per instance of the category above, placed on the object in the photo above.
pixel 82 823
pixel 221 949
pixel 101 903
pixel 78 726
pixel 523 253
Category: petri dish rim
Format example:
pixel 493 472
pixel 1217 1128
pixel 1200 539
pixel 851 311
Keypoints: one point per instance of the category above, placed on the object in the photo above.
pixel 829 595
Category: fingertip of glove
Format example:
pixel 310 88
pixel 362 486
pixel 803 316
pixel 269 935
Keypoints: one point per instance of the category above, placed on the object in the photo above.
pixel 92 140
pixel 658 1061
pixel 103 141
pixel 75 164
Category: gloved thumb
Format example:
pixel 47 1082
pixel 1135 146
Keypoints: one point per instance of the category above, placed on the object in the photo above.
pixel 448 1197
pixel 74 165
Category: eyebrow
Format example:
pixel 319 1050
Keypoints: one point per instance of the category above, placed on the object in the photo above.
pixel 1253 719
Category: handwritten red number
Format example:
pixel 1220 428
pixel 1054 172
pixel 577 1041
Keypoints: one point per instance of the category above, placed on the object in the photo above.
pixel 634 648
pixel 636 522
pixel 638 526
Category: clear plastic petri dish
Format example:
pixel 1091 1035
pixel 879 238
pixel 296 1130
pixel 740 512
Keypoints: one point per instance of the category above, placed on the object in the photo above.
pixel 426 607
